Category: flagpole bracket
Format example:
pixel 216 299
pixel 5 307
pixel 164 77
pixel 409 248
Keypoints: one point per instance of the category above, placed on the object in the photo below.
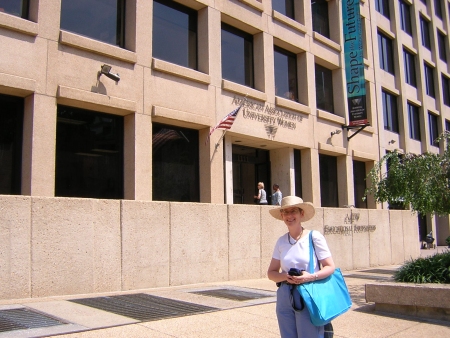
pixel 359 127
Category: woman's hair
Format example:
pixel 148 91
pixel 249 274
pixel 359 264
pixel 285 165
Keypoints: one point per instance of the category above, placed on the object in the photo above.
pixel 261 184
pixel 276 185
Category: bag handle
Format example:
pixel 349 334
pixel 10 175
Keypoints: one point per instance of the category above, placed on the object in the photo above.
pixel 311 253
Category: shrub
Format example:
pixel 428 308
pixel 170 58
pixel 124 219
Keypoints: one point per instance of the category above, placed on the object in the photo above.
pixel 433 269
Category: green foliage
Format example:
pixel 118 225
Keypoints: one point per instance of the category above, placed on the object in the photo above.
pixel 447 240
pixel 421 181
pixel 433 269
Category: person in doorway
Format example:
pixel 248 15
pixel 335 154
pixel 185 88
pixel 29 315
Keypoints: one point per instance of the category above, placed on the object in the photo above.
pixel 292 251
pixel 261 198
pixel 277 195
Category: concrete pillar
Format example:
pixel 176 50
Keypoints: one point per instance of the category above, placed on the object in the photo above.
pixel 282 169
pixel 310 174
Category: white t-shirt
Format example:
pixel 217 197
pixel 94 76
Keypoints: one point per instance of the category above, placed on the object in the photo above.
pixel 297 255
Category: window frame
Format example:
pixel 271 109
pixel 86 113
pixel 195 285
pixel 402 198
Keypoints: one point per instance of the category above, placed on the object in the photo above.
pixel 428 71
pixel 409 61
pixel 405 17
pixel 425 32
pixel 321 18
pixel 382 7
pixel 442 45
pixel 445 90
pixel 390 111
pixel 327 94
pixel 285 7
pixel 413 121
pixel 328 176
pixel 433 128
pixel 24 9
pixel 386 53
pixel 249 63
pixel 292 74
pixel 161 50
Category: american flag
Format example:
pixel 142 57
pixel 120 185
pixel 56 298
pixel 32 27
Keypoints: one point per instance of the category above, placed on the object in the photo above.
pixel 226 122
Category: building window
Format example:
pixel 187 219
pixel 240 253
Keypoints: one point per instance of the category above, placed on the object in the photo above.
pixel 410 68
pixel 425 32
pixel 175 164
pixel 359 184
pixel 433 125
pixel 405 17
pixel 102 20
pixel 429 80
pixel 438 8
pixel 447 125
pixel 442 46
pixel 285 7
pixel 15 7
pixel 328 181
pixel 414 122
pixel 89 154
pixel 324 89
pixel 386 53
pixel 237 56
pixel 382 7
pixel 285 74
pixel 175 33
pixel 320 19
pixel 11 133
pixel 390 113
pixel 446 90
pixel 298 172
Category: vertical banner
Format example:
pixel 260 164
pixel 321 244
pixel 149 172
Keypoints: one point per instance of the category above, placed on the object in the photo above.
pixel 354 63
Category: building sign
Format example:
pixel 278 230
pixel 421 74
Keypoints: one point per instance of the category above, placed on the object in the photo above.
pixel 272 117
pixel 349 227
pixel 354 63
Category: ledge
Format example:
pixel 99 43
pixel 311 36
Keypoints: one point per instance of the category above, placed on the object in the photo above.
pixel 363 156
pixel 289 22
pixel 324 40
pixel 321 114
pixel 243 90
pixel 180 71
pixel 16 85
pixel 93 101
pixel 18 24
pixel 97 47
pixel 328 149
pixel 194 121
pixel 292 105
pixel 254 4
pixel 419 300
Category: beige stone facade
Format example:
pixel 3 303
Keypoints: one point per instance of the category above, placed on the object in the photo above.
pixel 52 245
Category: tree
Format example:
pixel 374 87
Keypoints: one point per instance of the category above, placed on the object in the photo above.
pixel 420 181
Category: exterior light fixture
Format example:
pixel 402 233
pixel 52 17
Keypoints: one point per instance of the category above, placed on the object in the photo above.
pixel 391 142
pixel 106 70
pixel 336 132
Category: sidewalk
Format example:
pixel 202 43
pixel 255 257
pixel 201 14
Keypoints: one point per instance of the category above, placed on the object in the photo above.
pixel 230 318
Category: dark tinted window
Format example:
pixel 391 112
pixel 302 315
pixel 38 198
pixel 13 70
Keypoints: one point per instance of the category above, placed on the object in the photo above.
pixel 405 17
pixel 15 7
pixel 446 90
pixel 285 7
pixel 175 164
pixel 433 125
pixel 390 113
pixel 442 44
pixel 386 53
pixel 11 131
pixel 382 7
pixel 328 181
pixel 237 56
pixel 410 68
pixel 89 154
pixel 324 88
pixel 425 32
pixel 285 74
pixel 429 80
pixel 298 173
pixel 321 24
pixel 414 122
pixel 438 8
pixel 175 33
pixel 101 20
pixel 359 183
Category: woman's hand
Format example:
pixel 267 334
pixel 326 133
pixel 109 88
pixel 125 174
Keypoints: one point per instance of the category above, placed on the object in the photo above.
pixel 304 278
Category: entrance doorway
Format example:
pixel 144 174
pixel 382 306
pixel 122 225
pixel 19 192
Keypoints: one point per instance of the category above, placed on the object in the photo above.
pixel 250 166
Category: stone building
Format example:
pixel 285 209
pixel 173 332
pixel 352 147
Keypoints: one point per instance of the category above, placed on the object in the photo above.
pixel 107 170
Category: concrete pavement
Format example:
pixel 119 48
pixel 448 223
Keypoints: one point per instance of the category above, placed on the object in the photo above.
pixel 230 318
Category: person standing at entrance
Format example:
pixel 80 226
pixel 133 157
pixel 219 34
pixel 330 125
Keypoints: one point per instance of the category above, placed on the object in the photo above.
pixel 277 195
pixel 261 197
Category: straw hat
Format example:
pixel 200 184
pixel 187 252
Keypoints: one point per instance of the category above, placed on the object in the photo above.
pixel 294 201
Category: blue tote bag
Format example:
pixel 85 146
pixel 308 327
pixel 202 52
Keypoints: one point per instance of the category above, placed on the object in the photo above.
pixel 325 298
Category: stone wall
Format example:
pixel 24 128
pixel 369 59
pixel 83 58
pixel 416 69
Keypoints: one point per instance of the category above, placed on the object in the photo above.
pixel 60 246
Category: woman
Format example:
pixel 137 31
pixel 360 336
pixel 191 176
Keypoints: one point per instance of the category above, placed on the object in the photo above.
pixel 292 251
pixel 261 197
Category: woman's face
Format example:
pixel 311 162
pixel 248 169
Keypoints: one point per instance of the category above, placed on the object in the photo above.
pixel 292 216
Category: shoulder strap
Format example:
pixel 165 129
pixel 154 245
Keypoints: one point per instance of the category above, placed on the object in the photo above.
pixel 312 253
